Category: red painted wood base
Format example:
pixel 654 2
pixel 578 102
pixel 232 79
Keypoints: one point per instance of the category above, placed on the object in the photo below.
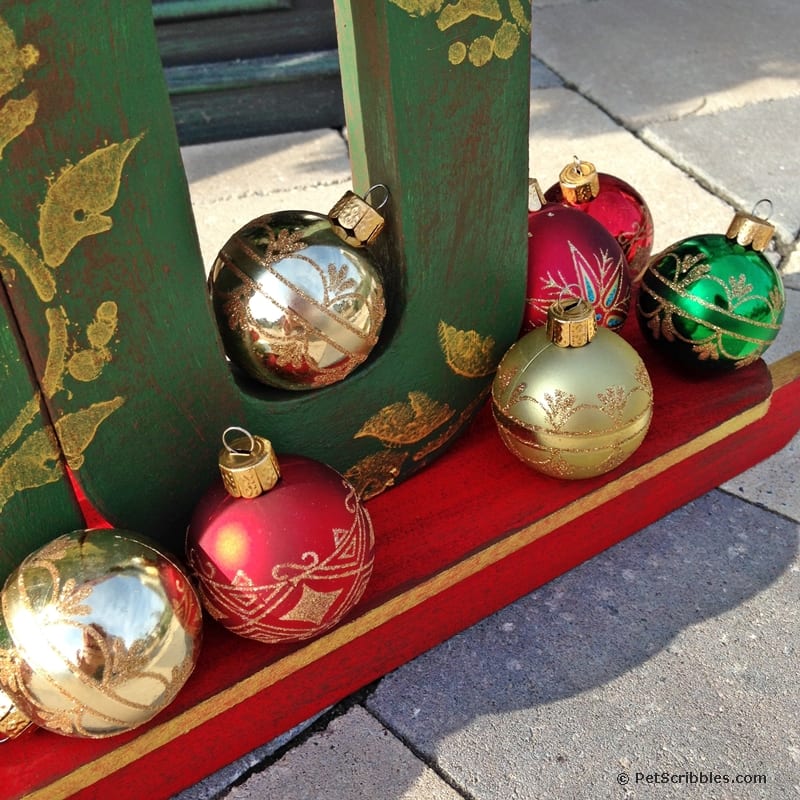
pixel 471 533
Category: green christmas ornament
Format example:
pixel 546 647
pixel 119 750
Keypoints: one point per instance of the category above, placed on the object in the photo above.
pixel 712 301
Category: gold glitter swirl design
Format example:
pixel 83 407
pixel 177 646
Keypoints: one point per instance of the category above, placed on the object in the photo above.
pixel 69 673
pixel 292 344
pixel 511 20
pixel 689 269
pixel 73 209
pixel 294 606
pixel 552 447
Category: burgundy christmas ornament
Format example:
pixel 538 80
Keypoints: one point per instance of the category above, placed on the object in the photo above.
pixel 570 254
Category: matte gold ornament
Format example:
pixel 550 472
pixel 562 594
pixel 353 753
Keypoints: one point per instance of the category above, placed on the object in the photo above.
pixel 299 302
pixel 100 631
pixel 570 399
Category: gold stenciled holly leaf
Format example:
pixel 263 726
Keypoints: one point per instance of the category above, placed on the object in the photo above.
pixel 77 430
pixel 73 207
pixel 376 472
pixel 406 422
pixel 33 464
pixel 14 61
pixel 467 352
pixel 15 117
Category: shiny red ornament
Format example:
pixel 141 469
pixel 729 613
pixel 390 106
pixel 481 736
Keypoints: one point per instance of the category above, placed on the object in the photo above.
pixel 289 563
pixel 615 204
pixel 572 255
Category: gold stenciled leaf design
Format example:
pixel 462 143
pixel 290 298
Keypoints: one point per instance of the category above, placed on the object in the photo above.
pixel 76 199
pixel 15 117
pixel 406 422
pixel 376 472
pixel 14 61
pixel 12 244
pixel 467 352
pixel 77 430
pixel 86 365
pixel 482 49
pixel 35 463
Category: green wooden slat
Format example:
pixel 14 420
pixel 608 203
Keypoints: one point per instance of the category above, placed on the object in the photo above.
pixel 251 73
pixel 36 501
pixel 168 10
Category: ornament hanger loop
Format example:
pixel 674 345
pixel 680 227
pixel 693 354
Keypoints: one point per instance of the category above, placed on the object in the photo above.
pixel 383 202
pixel 769 204
pixel 576 165
pixel 232 450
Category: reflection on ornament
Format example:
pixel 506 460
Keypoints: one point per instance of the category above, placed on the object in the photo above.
pixel 101 630
pixel 572 400
pixel 572 255
pixel 286 561
pixel 299 303
pixel 714 301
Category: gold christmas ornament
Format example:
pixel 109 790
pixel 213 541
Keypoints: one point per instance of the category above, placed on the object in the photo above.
pixel 298 300
pixel 570 399
pixel 100 631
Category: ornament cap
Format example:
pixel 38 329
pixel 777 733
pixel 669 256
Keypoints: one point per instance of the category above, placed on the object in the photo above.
pixel 248 464
pixel 579 181
pixel 750 230
pixel 355 221
pixel 571 322
pixel 536 199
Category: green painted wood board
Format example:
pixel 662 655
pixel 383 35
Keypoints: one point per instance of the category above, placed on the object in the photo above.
pixel 125 332
pixel 36 500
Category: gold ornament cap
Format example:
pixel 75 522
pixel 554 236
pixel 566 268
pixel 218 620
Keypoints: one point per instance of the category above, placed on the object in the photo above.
pixel 579 181
pixel 248 464
pixel 751 230
pixel 536 199
pixel 571 323
pixel 355 221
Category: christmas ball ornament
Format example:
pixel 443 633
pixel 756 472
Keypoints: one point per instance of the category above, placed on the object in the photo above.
pixel 100 631
pixel 714 302
pixel 571 399
pixel 298 300
pixel 571 254
pixel 281 553
pixel 615 204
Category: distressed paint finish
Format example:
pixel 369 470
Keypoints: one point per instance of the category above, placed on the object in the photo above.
pixel 103 271
pixel 36 501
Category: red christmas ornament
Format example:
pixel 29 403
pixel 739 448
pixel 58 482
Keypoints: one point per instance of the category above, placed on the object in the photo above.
pixel 281 554
pixel 571 254
pixel 615 204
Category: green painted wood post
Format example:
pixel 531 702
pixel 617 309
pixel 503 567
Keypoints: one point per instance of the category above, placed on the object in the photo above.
pixel 102 268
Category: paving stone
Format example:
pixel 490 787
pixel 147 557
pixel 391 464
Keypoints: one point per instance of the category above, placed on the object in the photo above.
pixel 664 60
pixel 756 156
pixel 791 269
pixel 775 483
pixel 674 651
pixel 354 757
pixel 231 183
pixel 220 782
pixel 564 124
